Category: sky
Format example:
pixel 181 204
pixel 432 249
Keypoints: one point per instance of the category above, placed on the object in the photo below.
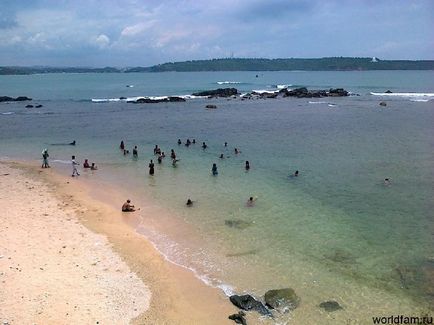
pixel 128 33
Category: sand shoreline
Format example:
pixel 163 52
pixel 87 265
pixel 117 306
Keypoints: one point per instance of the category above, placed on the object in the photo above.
pixel 177 296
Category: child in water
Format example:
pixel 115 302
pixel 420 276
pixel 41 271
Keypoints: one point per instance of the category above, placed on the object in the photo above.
pixel 214 170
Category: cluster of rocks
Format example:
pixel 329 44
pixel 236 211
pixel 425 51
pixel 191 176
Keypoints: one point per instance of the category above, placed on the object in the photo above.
pixel 147 100
pixel 31 106
pixel 302 92
pixel 282 300
pixel 11 99
pixel 221 92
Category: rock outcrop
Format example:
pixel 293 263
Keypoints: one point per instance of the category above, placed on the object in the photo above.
pixel 247 302
pixel 147 100
pixel 330 306
pixel 282 299
pixel 11 99
pixel 221 92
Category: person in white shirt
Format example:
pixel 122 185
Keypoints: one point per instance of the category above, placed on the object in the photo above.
pixel 74 167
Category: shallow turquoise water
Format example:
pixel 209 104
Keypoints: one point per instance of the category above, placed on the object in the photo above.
pixel 335 224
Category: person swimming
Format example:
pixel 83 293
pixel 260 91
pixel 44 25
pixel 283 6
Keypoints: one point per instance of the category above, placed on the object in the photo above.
pixel 221 156
pixel 247 165
pixel 251 201
pixel 188 143
pixel 86 164
pixel 226 144
pixel 189 203
pixel 204 146
pixel 93 167
pixel 387 182
pixel 214 170
pixel 237 151
pixel 194 141
pixel 126 152
pixel 179 141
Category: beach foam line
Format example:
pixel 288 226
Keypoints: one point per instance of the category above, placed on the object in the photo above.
pixel 431 95
pixel 133 99
pixel 8 113
pixel 227 289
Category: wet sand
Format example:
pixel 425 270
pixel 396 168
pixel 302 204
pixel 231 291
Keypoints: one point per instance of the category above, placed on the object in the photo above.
pixel 68 258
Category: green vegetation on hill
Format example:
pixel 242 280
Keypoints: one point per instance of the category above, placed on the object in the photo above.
pixel 320 64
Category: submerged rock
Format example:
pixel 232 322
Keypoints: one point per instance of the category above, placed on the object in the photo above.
pixel 210 106
pixel 221 92
pixel 283 299
pixel 239 318
pixel 247 302
pixel 388 92
pixel 238 224
pixel 383 104
pixel 29 106
pixel 330 306
pixel 39 106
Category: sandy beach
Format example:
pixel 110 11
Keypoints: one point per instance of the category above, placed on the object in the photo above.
pixel 66 258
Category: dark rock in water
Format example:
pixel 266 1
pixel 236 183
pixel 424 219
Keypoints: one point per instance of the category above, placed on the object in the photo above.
pixel 210 106
pixel 337 92
pixel 122 98
pixel 147 100
pixel 247 302
pixel 238 224
pixel 29 106
pixel 239 318
pixel 387 92
pixel 11 99
pixel 39 106
pixel 330 306
pixel 341 256
pixel 383 104
pixel 221 92
pixel 283 299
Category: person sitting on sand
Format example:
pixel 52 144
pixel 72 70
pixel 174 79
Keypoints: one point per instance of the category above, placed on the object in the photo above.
pixel 128 207
pixel 45 159
pixel 189 203
pixel 251 201
pixel 93 167
pixel 86 164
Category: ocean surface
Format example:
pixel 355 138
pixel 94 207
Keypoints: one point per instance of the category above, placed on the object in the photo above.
pixel 335 232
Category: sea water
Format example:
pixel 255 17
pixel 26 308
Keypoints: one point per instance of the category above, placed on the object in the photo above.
pixel 335 232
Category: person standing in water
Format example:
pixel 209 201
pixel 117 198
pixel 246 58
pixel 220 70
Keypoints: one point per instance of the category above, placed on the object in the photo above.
pixel 45 159
pixel 172 154
pixel 204 146
pixel 151 168
pixel 214 170
pixel 179 142
pixel 74 167
pixel 122 145
pixel 135 152
pixel 247 165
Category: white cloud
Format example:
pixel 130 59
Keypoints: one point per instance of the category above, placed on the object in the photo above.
pixel 137 28
pixel 102 41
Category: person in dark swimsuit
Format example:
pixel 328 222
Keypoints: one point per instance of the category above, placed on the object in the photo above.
pixel 151 168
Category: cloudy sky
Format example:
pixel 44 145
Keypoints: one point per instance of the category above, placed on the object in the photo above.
pixel 146 32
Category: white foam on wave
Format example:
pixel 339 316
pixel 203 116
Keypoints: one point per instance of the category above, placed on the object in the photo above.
pixel 419 100
pixel 228 82
pixel 133 99
pixel 431 95
pixel 319 102
pixel 264 91
pixel 8 113
pixel 283 86
pixel 61 161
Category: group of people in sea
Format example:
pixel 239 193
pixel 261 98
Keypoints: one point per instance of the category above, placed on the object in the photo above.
pixel 86 165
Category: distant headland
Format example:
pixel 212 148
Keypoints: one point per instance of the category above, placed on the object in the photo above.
pixel 244 64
